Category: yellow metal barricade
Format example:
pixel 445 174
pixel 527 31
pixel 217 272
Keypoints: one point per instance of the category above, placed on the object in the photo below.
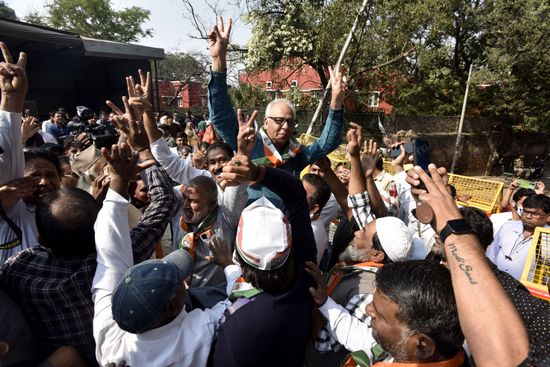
pixel 484 193
pixel 536 272
pixel 338 155
pixel 389 168
pixel 305 139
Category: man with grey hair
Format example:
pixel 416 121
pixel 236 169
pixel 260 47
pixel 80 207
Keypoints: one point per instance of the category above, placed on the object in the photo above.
pixel 276 145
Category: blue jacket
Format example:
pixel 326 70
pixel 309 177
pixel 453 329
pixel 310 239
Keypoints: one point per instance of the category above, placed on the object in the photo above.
pixel 225 121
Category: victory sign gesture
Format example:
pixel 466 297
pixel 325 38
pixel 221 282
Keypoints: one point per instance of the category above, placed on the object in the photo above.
pixel 218 41
pixel 13 81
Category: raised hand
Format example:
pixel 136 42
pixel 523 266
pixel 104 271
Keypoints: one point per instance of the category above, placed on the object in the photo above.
pixel 355 139
pixel 240 170
pixel 132 128
pixel 84 139
pixel 318 293
pixel 343 175
pixel 514 185
pixel 13 191
pixel 123 164
pixel 436 195
pixel 99 187
pixel 370 155
pixel 339 88
pixel 246 138
pixel 324 165
pixel 539 187
pixel 198 158
pixel 140 94
pixel 221 254
pixel 28 128
pixel 218 43
pixel 399 161
pixel 13 81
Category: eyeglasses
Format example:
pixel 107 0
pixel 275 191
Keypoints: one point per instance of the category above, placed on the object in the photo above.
pixel 282 120
pixel 533 214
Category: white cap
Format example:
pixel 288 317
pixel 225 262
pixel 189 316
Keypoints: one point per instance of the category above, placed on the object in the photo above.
pixel 395 238
pixel 263 236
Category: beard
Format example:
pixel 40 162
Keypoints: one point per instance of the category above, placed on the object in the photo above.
pixel 194 218
pixel 352 254
pixel 397 349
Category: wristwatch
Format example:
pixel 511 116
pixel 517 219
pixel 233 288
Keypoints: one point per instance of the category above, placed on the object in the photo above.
pixel 455 226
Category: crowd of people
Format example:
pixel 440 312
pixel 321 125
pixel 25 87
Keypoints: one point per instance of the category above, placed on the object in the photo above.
pixel 134 239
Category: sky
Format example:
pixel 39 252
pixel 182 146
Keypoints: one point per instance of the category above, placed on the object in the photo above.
pixel 169 26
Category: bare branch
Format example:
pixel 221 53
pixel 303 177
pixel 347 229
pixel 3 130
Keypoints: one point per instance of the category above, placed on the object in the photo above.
pixel 386 63
pixel 197 21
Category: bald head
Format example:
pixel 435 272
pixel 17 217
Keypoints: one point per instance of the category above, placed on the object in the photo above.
pixel 206 186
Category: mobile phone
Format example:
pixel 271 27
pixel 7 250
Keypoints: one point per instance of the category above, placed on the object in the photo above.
pixel 421 151
pixel 396 151
pixel 525 184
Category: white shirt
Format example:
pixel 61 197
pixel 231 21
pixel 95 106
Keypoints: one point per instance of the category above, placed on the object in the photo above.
pixel 329 211
pixel 321 238
pixel 353 334
pixel 499 219
pixel 423 234
pixel 22 214
pixel 384 181
pixel 47 137
pixel 12 166
pixel 509 249
pixel 185 341
pixel 46 124
pixel 180 170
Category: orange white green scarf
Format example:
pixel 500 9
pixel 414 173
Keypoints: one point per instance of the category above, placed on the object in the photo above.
pixel 273 157
pixel 203 231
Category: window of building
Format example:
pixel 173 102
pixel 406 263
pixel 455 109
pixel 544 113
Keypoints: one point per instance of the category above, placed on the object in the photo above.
pixel 373 99
pixel 180 102
pixel 294 83
pixel 269 84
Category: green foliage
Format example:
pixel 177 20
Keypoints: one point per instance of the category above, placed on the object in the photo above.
pixel 517 59
pixel 94 18
pixel 295 96
pixel 183 66
pixel 418 52
pixel 7 12
pixel 34 17
pixel 248 97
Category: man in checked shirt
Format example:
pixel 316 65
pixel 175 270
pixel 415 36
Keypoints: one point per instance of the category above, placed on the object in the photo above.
pixel 51 282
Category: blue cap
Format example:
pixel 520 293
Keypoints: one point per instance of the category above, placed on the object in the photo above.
pixel 145 289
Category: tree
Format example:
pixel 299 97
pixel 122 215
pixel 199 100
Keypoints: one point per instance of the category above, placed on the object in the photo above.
pixel 94 18
pixel 418 52
pixel 183 67
pixel 248 97
pixel 314 32
pixel 515 76
pixel 7 12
